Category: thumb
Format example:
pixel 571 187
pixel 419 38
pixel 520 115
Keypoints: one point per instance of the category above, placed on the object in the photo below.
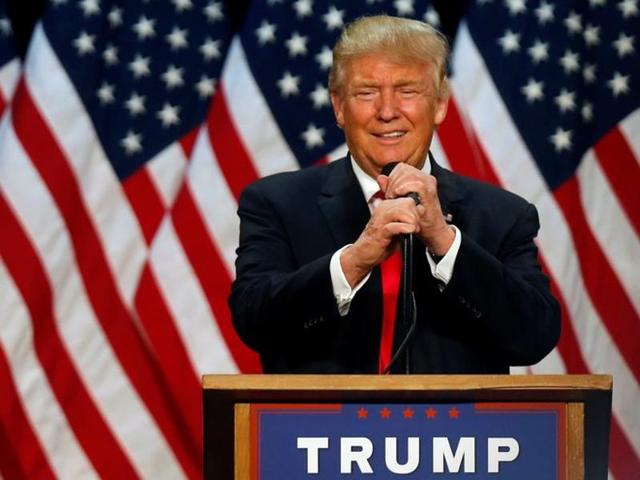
pixel 383 182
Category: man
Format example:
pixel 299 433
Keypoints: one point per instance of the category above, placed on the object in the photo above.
pixel 309 292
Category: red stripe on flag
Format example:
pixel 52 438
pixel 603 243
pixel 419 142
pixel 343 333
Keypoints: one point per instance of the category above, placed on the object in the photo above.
pixel 188 141
pixel 465 154
pixel 98 279
pixel 84 418
pixel 21 454
pixel 621 168
pixel 212 274
pixel 146 202
pixel 170 352
pixel 235 163
pixel 623 460
pixel 605 290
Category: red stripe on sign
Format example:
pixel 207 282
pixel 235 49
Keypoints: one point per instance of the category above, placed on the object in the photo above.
pixel 146 202
pixel 97 277
pixel 83 416
pixel 171 353
pixel 21 454
pixel 605 290
pixel 466 155
pixel 235 163
pixel 214 278
pixel 623 172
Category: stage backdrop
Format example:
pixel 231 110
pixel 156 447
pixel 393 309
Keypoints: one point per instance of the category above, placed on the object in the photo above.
pixel 129 129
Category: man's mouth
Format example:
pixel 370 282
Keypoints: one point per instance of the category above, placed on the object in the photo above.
pixel 393 134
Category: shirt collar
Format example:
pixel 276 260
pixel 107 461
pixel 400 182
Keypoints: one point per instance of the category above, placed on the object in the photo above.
pixel 368 185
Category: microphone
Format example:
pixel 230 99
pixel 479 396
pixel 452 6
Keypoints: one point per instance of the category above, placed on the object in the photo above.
pixel 407 297
pixel 387 169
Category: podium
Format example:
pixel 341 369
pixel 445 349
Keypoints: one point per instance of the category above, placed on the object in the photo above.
pixel 416 426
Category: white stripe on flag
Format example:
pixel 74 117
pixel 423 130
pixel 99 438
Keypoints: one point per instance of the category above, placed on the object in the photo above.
pixel 630 127
pixel 167 171
pixel 252 117
pixel 81 333
pixel 502 144
pixel 9 79
pixel 47 419
pixel 439 153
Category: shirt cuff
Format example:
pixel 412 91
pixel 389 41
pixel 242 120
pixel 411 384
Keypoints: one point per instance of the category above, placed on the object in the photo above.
pixel 443 270
pixel 342 291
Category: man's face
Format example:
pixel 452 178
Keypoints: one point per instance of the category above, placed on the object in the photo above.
pixel 388 111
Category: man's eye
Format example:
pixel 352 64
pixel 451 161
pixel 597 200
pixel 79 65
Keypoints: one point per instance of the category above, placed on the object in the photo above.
pixel 365 93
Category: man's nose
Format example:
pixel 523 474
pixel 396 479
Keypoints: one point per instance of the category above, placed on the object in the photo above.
pixel 387 108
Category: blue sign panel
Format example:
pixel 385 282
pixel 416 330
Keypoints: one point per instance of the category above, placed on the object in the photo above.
pixel 408 441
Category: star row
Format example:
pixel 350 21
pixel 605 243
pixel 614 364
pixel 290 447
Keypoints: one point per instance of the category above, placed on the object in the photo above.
pixel 545 11
pixel 212 11
pixel 408 413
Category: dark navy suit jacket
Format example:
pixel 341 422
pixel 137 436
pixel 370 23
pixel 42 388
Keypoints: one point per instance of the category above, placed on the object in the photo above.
pixel 496 311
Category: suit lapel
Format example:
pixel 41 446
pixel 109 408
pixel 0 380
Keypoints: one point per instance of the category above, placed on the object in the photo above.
pixel 342 203
pixel 450 192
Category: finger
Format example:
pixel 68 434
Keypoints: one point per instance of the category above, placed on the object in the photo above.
pixel 383 182
pixel 394 229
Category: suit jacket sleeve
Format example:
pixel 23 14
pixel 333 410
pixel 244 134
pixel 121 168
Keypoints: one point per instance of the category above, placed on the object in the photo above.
pixel 275 295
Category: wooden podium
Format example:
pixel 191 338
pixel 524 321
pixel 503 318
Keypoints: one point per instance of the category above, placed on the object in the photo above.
pixel 583 403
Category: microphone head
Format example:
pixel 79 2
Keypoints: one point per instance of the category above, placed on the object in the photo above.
pixel 386 170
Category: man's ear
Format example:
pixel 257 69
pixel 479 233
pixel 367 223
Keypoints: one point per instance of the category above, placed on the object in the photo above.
pixel 441 110
pixel 338 104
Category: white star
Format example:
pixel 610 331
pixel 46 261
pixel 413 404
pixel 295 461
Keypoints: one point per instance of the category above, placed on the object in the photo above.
pixel 432 17
pixel 573 22
pixel 539 51
pixel 333 18
pixel 84 43
pixel 533 90
pixel 510 42
pixel 144 28
pixel 619 84
pixel 297 45
pixel 561 139
pixel 303 8
pixel 589 73
pixel 566 101
pixel 115 17
pixel 5 26
pixel 629 8
pixel 132 143
pixel 213 11
pixel 325 58
pixel 320 96
pixel 404 7
pixel 90 7
pixel 135 104
pixel 266 33
pixel 105 93
pixel 624 45
pixel 140 66
pixel 169 115
pixel 177 38
pixel 597 3
pixel 591 35
pixel 206 86
pixel 587 112
pixel 210 49
pixel 570 62
pixel 545 13
pixel 516 6
pixel 110 55
pixel 313 136
pixel 172 77
pixel 288 85
pixel 182 5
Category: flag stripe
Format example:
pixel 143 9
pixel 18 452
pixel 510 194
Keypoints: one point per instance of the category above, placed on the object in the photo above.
pixel 146 202
pixel 621 168
pixel 97 276
pixel 9 73
pixel 31 280
pixel 237 166
pixel 603 286
pixel 22 455
pixel 213 277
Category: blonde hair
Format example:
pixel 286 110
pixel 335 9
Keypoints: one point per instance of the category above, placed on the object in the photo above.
pixel 403 39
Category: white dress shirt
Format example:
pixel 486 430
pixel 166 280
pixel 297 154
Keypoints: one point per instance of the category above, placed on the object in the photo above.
pixel 343 292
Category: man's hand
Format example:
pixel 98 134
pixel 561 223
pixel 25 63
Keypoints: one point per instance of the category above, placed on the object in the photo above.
pixel 379 239
pixel 434 232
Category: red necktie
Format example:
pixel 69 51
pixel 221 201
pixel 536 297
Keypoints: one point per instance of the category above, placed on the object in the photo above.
pixel 390 271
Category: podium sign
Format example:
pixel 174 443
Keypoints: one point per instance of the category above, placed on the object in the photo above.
pixel 408 441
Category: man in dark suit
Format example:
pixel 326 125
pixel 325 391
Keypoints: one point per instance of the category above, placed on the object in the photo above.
pixel 309 294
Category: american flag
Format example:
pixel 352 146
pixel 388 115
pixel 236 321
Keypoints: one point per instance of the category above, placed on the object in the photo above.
pixel 134 127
